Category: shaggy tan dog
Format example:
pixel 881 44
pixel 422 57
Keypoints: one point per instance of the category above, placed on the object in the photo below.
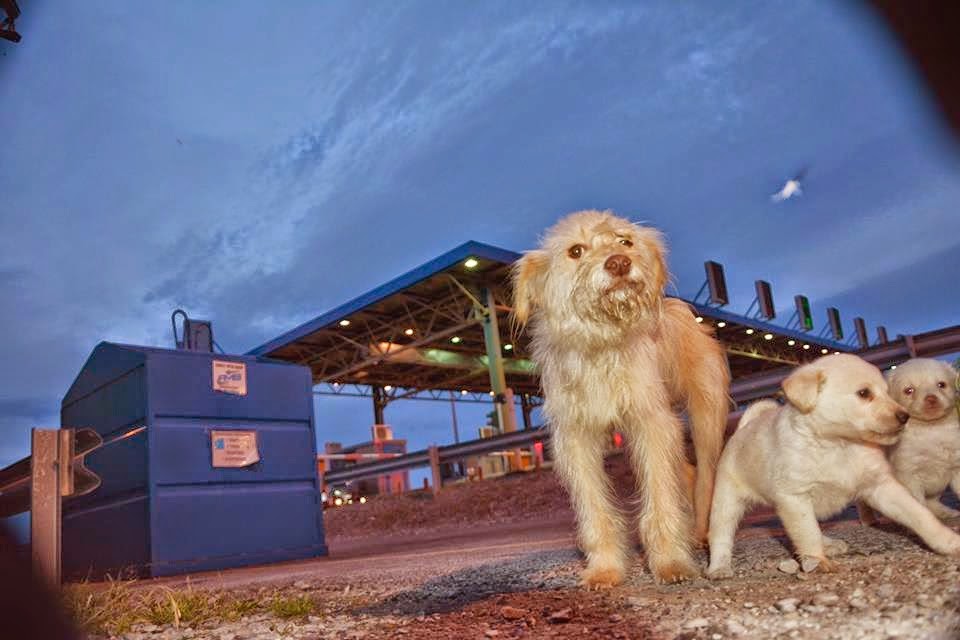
pixel 614 353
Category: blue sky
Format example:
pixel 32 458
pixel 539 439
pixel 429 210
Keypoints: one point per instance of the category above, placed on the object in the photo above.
pixel 259 167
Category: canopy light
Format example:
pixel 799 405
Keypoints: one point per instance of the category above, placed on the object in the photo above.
pixel 806 346
pixel 790 343
pixel 408 332
pixel 749 332
pixel 768 336
pixel 388 388
pixel 344 323
pixel 463 392
pixel 721 324
pixel 470 263
pixel 892 367
pixel 492 394
pixel 455 339
pixel 824 351
pixel 507 347
pixel 699 319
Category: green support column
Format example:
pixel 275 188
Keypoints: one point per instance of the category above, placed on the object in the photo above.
pixel 503 396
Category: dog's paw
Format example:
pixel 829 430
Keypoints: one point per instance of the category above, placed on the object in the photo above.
pixel 676 571
pixel 723 572
pixel 815 563
pixel 596 578
pixel 833 547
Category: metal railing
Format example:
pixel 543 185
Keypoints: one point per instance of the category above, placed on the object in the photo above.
pixel 763 385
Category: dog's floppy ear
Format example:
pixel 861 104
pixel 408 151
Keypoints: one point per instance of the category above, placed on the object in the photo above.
pixel 803 386
pixel 656 248
pixel 527 275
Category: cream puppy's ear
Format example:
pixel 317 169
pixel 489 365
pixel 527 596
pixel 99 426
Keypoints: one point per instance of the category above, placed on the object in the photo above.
pixel 803 386
pixel 528 274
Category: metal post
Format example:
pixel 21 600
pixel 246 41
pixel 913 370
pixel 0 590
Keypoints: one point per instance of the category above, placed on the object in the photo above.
pixel 379 403
pixel 526 410
pixel 435 468
pixel 45 512
pixel 498 382
pixel 453 417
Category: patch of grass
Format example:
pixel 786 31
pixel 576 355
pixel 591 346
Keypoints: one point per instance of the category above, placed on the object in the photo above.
pixel 236 608
pixel 118 607
pixel 292 606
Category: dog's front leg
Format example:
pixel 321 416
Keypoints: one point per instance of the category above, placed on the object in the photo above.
pixel 894 501
pixel 666 527
pixel 578 459
pixel 800 521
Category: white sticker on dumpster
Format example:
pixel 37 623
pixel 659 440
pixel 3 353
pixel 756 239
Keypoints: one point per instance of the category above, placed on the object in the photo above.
pixel 233 449
pixel 230 377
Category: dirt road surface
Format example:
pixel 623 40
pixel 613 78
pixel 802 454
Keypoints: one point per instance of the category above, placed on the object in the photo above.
pixel 519 580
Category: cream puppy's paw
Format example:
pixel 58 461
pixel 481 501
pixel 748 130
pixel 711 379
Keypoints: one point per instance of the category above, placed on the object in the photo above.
pixel 722 572
pixel 833 547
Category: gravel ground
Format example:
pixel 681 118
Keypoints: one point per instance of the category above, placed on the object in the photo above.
pixel 887 586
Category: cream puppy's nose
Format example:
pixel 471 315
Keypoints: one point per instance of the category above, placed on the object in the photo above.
pixel 931 400
pixel 617 265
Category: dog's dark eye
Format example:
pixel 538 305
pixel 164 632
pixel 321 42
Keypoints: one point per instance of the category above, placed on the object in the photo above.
pixel 576 251
pixel 941 385
pixel 625 242
pixel 908 391
pixel 865 394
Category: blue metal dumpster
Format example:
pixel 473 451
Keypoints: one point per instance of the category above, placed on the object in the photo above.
pixel 213 463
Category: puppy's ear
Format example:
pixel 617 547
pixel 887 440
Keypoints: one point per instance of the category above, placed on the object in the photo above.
pixel 527 274
pixel 803 386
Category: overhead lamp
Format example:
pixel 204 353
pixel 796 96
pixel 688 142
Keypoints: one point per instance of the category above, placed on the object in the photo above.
pixel 455 339
pixel 768 336
pixel 463 392
pixel 749 332
pixel 408 332
pixel 507 347
pixel 721 324
pixel 492 394
pixel 699 318
pixel 344 323
pixel 824 351
pixel 791 342
pixel 388 388
pixel 892 367
pixel 806 346
pixel 470 263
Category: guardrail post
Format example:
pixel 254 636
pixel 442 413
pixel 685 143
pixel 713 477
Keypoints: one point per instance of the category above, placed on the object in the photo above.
pixel 45 471
pixel 435 468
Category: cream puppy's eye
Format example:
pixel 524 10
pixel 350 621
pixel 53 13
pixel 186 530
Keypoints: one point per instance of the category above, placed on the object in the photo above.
pixel 865 394
pixel 941 385
pixel 627 242
pixel 576 251
pixel 908 391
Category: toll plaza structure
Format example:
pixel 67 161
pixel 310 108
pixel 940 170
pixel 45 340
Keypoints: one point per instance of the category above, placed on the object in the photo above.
pixel 442 332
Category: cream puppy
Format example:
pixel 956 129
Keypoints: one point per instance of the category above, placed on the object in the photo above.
pixel 615 353
pixel 927 458
pixel 812 457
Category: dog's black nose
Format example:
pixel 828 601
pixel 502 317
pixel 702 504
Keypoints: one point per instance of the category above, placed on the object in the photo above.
pixel 902 417
pixel 617 265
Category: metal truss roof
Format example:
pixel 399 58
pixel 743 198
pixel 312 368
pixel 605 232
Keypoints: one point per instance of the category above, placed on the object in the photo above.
pixel 420 335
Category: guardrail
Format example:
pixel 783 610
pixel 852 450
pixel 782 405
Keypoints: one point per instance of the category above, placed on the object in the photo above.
pixel 923 345
pixel 764 385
